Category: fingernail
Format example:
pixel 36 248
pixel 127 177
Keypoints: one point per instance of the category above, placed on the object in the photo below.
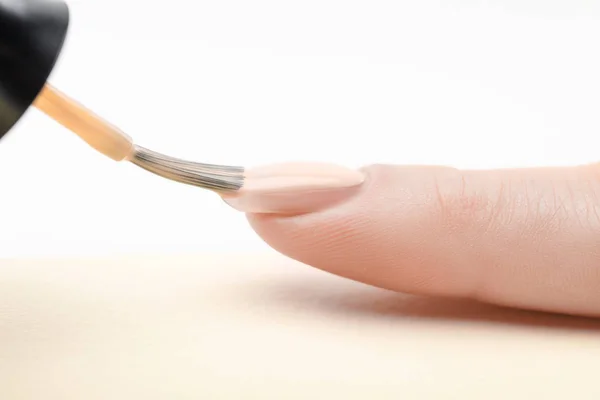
pixel 294 188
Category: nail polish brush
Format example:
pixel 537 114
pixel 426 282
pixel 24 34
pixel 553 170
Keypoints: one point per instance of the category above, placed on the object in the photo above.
pixel 32 33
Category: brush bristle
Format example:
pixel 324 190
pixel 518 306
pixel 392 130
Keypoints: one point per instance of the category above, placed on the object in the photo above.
pixel 219 178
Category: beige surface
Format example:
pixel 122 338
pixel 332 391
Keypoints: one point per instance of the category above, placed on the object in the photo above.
pixel 225 327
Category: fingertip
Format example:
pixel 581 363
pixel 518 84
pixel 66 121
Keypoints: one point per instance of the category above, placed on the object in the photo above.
pixel 379 236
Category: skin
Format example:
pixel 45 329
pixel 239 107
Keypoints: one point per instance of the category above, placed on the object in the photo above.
pixel 527 238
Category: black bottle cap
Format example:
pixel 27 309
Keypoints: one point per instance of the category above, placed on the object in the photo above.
pixel 32 33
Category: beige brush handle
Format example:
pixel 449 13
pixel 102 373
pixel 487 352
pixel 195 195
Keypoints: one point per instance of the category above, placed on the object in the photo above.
pixel 95 131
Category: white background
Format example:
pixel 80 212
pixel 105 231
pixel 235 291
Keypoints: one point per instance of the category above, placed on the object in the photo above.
pixel 474 84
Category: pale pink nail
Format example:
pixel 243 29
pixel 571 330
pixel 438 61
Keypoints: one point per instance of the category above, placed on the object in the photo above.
pixel 294 188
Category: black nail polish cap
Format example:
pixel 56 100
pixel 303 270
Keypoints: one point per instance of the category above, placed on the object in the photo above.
pixel 32 33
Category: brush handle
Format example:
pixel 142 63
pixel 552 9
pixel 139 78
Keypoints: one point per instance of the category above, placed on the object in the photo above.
pixel 94 130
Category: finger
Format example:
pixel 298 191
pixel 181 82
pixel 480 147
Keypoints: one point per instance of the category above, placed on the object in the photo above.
pixel 525 238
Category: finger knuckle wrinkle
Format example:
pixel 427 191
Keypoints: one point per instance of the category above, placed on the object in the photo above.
pixel 459 205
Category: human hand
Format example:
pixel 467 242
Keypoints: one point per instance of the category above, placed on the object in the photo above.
pixel 526 238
